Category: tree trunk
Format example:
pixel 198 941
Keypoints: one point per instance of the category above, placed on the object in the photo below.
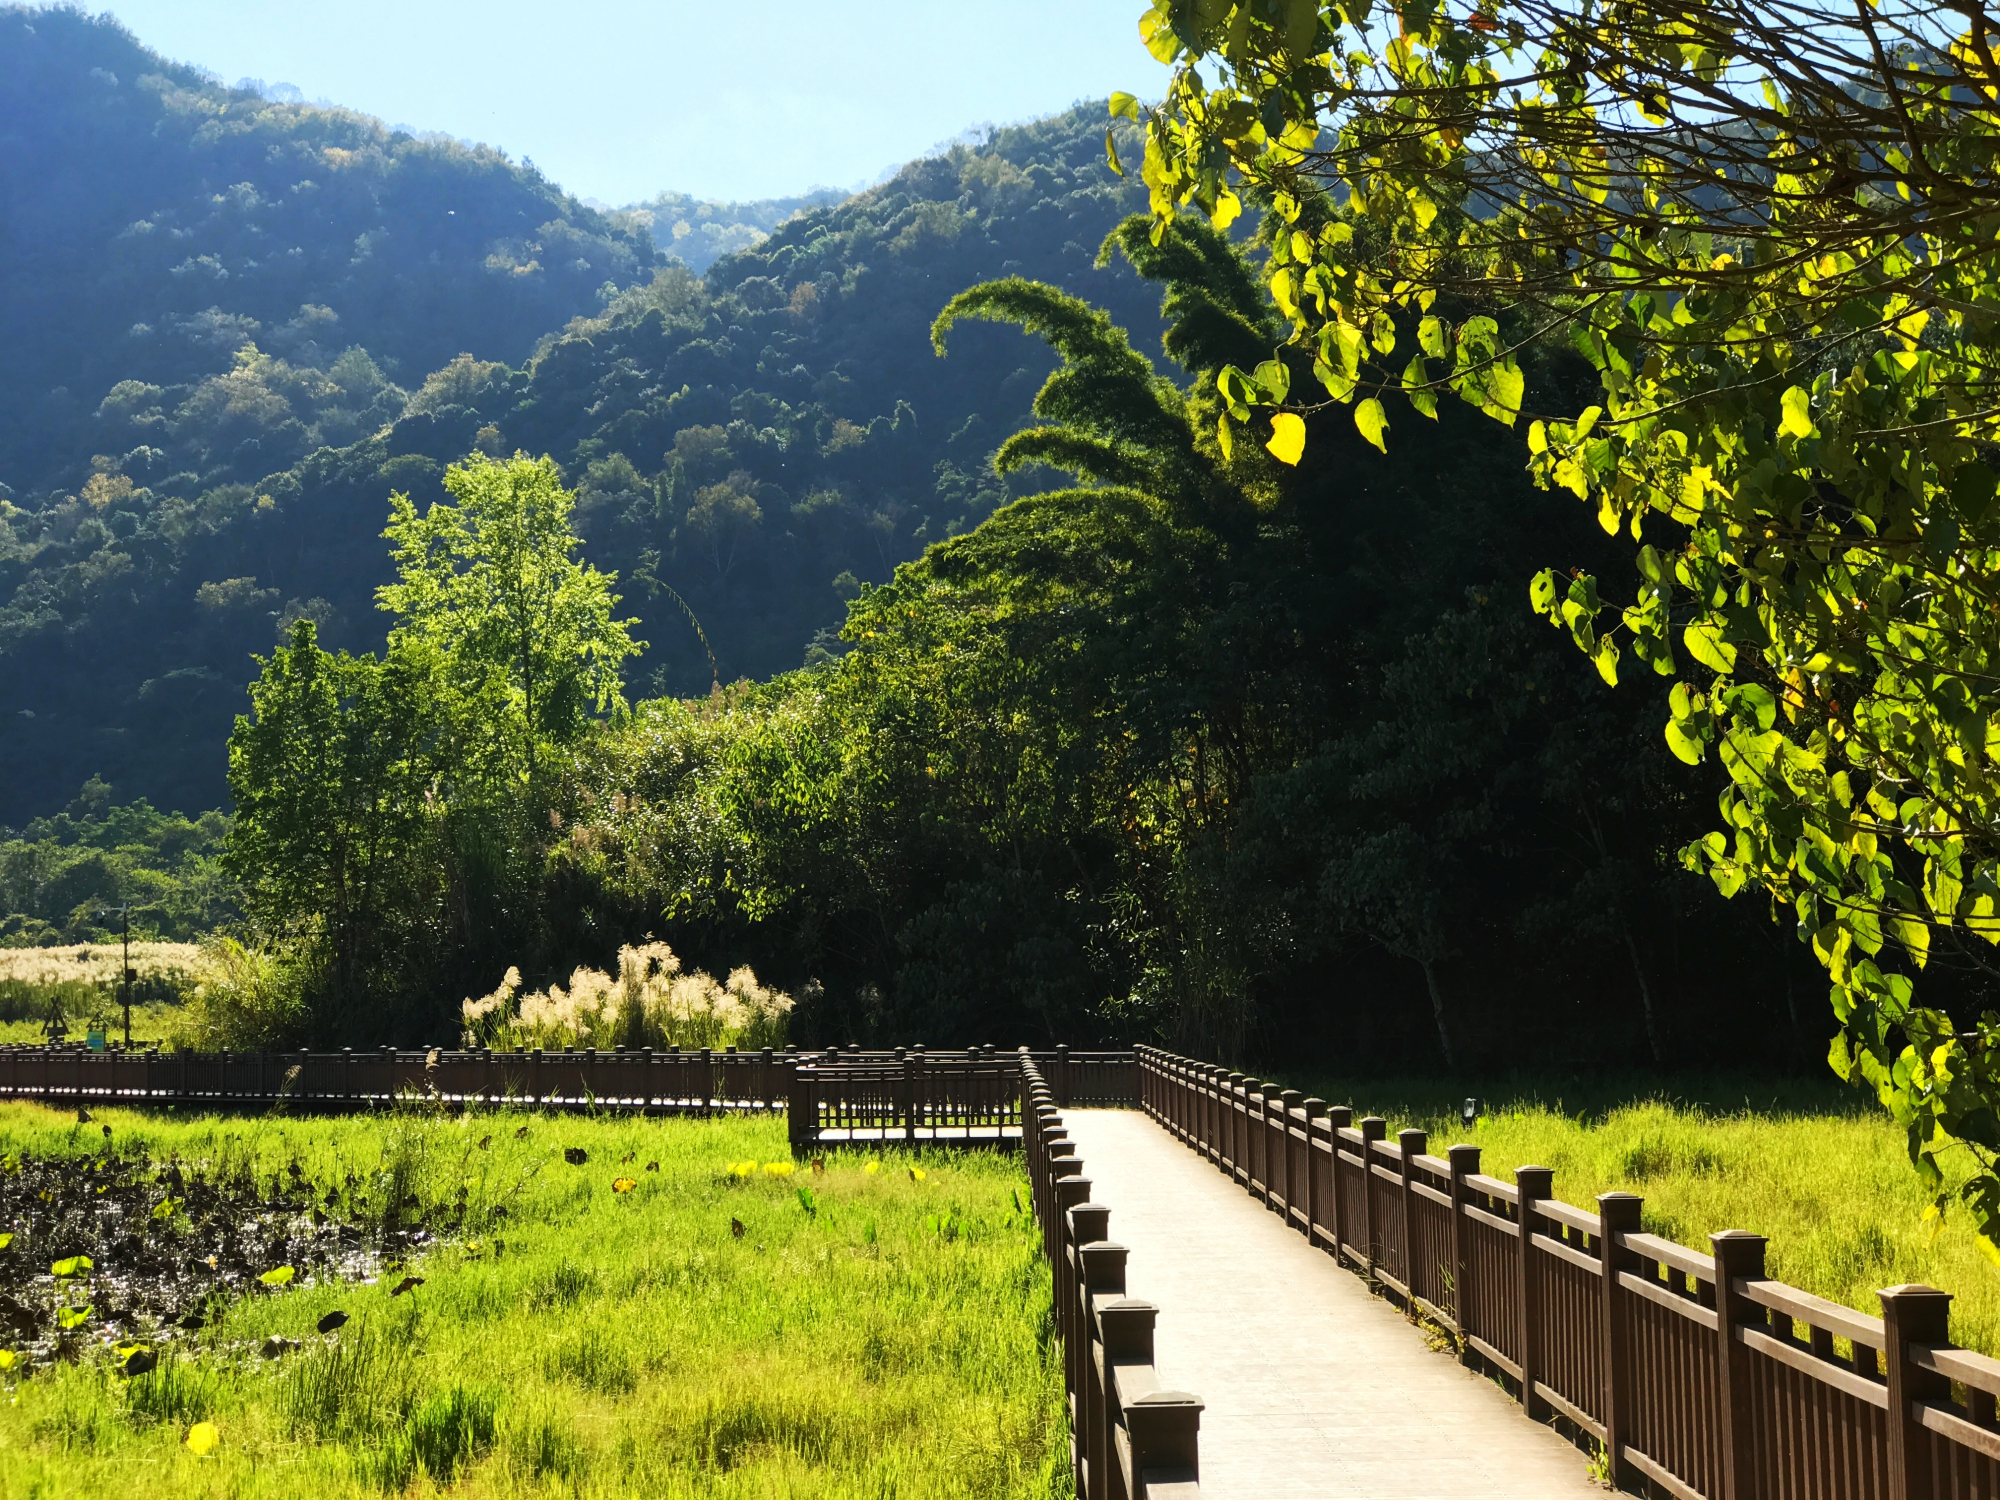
pixel 1437 1011
pixel 1645 998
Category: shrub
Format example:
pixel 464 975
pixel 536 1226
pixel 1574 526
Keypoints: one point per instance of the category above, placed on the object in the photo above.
pixel 243 1001
pixel 651 1003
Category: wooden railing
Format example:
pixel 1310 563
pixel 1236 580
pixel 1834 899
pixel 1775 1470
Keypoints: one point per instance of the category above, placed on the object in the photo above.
pixel 982 1105
pixel 664 1082
pixel 1130 1438
pixel 1696 1373
pixel 957 1101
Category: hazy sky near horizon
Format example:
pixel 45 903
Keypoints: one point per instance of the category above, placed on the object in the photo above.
pixel 620 99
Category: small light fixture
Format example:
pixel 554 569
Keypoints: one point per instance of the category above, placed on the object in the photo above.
pixel 1468 1112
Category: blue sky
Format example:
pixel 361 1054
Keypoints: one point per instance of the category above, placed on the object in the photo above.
pixel 619 99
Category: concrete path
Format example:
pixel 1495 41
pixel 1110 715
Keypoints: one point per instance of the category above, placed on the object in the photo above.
pixel 1315 1389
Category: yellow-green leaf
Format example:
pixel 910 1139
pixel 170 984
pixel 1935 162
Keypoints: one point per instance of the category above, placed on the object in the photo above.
pixel 1158 36
pixel 1504 386
pixel 1288 437
pixel 1111 153
pixel 1797 421
pixel 1223 437
pixel 1706 645
pixel 1683 744
pixel 1371 421
pixel 1125 105
pixel 1605 659
pixel 1416 385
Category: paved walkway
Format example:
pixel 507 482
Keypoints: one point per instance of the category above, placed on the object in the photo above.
pixel 1315 1389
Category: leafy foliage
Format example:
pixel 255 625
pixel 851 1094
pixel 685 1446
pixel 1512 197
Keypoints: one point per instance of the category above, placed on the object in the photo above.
pixel 1207 747
pixel 488 589
pixel 61 875
pixel 1769 233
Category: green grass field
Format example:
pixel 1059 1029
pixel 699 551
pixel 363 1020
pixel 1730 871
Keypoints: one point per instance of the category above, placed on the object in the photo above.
pixel 1818 1169
pixel 885 1336
pixel 152 1025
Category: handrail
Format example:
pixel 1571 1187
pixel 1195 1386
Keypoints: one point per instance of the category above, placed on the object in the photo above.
pixel 1695 1373
pixel 1131 1438
pixel 655 1081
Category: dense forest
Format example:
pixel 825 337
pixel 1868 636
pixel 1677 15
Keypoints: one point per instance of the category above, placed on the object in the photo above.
pixel 974 676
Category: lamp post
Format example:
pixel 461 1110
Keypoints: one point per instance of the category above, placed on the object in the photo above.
pixel 126 976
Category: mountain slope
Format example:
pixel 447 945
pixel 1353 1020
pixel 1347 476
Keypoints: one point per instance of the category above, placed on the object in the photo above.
pixel 750 445
pixel 155 221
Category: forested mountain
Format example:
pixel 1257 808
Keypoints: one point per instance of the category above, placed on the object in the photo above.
pixel 155 222
pixel 701 233
pixel 756 441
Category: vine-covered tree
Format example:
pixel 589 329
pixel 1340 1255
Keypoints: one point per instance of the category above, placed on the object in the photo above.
pixel 1771 230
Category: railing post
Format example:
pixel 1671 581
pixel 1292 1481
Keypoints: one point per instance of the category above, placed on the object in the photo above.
pixel 1739 1256
pixel 1464 1163
pixel 1071 1193
pixel 801 1123
pixel 1103 1267
pixel 1339 1117
pixel 1535 1184
pixel 1373 1129
pixel 1289 1100
pixel 1315 1120
pixel 1238 1128
pixel 1617 1214
pixel 1164 1428
pixel 1912 1316
pixel 1060 1083
pixel 1254 1169
pixel 1411 1144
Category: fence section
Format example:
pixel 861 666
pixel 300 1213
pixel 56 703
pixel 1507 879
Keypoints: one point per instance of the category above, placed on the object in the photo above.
pixel 671 1081
pixel 1130 1438
pixel 955 1101
pixel 1696 1373
pixel 969 1096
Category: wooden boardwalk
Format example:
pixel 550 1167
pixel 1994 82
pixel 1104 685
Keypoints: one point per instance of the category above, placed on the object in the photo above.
pixel 1315 1389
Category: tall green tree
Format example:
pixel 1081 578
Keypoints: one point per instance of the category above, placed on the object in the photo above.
pixel 1770 229
pixel 333 773
pixel 491 589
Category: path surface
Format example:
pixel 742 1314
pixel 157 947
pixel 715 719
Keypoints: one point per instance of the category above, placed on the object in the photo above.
pixel 1314 1388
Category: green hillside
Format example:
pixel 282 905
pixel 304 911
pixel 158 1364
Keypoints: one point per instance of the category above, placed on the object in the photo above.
pixel 157 221
pixel 758 441
pixel 700 233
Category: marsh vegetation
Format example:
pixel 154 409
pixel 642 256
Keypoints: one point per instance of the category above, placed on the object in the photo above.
pixel 684 1310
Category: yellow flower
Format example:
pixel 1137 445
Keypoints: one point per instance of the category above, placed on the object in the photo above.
pixel 872 1168
pixel 202 1439
pixel 742 1168
pixel 917 1174
pixel 779 1169
pixel 7 1358
pixel 624 1184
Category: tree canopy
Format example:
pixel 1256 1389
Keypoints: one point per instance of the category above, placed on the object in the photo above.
pixel 1769 230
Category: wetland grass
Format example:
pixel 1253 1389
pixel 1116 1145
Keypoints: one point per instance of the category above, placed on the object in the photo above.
pixel 880 1335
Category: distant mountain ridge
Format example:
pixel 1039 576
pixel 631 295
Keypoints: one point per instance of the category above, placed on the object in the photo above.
pixel 758 440
pixel 154 220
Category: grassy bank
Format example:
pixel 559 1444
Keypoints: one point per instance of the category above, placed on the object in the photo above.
pixel 1817 1168
pixel 879 1334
